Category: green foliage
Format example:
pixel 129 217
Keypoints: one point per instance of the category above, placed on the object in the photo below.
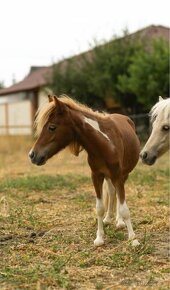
pixel 148 74
pixel 127 69
pixel 93 76
pixel 110 61
pixel 74 80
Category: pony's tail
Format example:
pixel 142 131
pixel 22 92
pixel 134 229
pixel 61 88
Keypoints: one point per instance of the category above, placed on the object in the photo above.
pixel 105 195
pixel 108 191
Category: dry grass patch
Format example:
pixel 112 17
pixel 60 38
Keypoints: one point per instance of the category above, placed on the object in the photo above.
pixel 48 224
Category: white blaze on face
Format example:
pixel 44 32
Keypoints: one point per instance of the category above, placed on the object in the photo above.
pixel 95 125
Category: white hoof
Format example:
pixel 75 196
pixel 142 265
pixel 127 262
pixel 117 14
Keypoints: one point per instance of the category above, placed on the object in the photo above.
pixel 120 224
pixel 107 220
pixel 98 242
pixel 135 243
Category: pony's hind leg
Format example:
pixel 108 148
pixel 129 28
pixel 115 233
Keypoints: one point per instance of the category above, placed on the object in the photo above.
pixel 109 196
pixel 110 202
pixel 125 213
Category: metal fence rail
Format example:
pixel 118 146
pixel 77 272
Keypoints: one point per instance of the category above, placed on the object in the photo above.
pixel 142 125
pixel 15 130
pixel 141 122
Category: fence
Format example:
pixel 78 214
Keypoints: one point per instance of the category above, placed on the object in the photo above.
pixel 142 125
pixel 16 130
pixel 141 122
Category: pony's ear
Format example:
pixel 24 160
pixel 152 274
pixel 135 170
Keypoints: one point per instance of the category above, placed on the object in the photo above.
pixel 60 105
pixel 160 99
pixel 50 98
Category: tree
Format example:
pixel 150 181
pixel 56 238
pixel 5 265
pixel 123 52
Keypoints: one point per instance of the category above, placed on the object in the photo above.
pixel 131 71
pixel 93 76
pixel 148 74
pixel 71 77
pixel 111 61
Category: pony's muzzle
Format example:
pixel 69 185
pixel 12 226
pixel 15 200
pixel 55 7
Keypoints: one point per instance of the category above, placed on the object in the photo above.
pixel 37 159
pixel 31 154
pixel 148 158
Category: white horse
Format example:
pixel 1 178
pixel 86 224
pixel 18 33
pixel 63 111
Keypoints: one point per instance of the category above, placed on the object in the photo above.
pixel 159 140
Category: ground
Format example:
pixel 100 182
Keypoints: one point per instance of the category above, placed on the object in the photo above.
pixel 48 224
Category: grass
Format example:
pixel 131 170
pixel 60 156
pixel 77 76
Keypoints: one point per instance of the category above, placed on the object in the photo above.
pixel 48 224
pixel 42 182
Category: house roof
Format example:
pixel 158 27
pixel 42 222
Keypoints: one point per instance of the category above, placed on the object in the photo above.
pixel 39 76
pixel 153 31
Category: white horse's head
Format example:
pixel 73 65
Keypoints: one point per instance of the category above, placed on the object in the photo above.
pixel 159 140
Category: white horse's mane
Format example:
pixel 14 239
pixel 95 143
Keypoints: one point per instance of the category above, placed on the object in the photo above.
pixel 163 106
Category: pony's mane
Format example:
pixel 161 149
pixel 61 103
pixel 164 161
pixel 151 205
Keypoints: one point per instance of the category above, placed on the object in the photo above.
pixel 75 105
pixel 160 107
pixel 48 108
pixel 42 116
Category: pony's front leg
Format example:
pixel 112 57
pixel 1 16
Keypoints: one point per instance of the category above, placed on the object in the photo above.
pixel 98 182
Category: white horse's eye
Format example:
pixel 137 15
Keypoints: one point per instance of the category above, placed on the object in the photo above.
pixel 165 128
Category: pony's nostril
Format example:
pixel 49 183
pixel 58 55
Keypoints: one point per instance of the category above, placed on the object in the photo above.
pixel 31 154
pixel 41 160
pixel 144 156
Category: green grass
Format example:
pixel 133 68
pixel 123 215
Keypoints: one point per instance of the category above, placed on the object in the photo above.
pixel 146 176
pixel 43 182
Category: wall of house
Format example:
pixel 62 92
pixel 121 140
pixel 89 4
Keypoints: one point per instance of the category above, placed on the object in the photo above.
pixel 3 129
pixel 19 120
pixel 43 96
pixel 15 115
pixel 17 111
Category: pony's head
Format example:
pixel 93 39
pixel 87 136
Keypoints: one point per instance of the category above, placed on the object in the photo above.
pixel 52 125
pixel 158 142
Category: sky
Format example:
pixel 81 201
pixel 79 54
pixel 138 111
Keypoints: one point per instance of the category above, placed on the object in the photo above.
pixel 41 32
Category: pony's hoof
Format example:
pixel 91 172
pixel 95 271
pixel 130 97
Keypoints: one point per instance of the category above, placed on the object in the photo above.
pixel 135 243
pixel 120 224
pixel 98 242
pixel 107 220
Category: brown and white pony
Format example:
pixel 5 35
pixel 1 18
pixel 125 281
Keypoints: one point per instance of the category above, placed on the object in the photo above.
pixel 111 144
pixel 159 140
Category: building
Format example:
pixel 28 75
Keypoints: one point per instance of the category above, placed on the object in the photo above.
pixel 19 102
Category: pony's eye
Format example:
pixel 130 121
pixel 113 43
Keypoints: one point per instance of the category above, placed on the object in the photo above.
pixel 51 128
pixel 165 128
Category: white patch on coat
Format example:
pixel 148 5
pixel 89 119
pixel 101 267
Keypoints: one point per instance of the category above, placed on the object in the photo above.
pixel 95 125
